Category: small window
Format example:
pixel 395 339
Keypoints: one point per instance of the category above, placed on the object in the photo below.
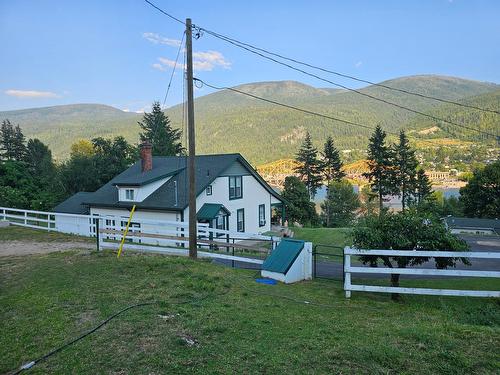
pixel 235 187
pixel 262 215
pixel 240 218
pixel 209 190
pixel 129 194
pixel 220 222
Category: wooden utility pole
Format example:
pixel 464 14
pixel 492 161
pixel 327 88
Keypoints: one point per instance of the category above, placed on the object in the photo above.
pixel 193 251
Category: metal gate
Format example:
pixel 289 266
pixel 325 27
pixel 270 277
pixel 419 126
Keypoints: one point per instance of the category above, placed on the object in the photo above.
pixel 328 262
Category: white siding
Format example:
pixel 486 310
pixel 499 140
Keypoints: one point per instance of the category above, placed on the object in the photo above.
pixel 142 192
pixel 254 194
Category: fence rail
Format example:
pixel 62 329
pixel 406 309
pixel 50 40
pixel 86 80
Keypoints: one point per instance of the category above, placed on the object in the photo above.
pixel 348 270
pixel 159 236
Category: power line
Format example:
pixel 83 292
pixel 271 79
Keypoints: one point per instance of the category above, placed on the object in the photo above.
pixel 297 108
pixel 165 13
pixel 286 105
pixel 221 36
pixel 173 70
pixel 348 88
pixel 251 49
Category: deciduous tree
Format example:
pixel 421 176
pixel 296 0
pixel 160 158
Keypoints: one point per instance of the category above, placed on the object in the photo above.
pixel 340 204
pixel 298 206
pixel 481 196
pixel 406 230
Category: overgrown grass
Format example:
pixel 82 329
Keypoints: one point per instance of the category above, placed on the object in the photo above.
pixel 16 233
pixel 237 325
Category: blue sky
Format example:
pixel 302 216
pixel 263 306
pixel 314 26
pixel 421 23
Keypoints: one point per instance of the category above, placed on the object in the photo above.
pixel 120 52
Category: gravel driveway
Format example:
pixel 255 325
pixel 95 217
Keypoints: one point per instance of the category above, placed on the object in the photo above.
pixel 10 248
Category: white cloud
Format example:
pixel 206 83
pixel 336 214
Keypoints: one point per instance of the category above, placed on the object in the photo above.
pixel 158 39
pixel 126 110
pixel 202 61
pixel 31 94
pixel 210 59
pixel 358 64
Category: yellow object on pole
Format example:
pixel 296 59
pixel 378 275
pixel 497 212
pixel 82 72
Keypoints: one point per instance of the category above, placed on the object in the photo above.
pixel 126 231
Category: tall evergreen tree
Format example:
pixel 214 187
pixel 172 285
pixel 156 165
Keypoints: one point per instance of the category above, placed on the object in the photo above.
pixel 7 135
pixel 331 169
pixel 156 128
pixel 331 165
pixel 309 168
pixel 380 166
pixel 405 170
pixel 423 187
pixel 18 144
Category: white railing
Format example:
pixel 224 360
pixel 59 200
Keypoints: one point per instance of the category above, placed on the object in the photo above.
pixel 348 270
pixel 85 225
pixel 82 225
pixel 172 238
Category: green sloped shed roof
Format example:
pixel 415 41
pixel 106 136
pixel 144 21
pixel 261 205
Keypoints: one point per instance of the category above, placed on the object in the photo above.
pixel 282 258
pixel 210 210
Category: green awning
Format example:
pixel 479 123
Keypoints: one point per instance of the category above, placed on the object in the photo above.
pixel 210 211
pixel 282 258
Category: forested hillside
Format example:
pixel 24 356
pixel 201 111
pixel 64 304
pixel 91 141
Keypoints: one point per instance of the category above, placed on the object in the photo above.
pixel 231 122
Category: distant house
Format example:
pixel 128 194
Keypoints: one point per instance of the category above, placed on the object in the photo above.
pixel 472 225
pixel 230 193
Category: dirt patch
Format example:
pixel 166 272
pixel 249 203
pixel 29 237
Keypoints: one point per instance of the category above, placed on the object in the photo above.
pixel 9 248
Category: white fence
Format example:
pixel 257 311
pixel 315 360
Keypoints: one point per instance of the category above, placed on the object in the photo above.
pixel 82 225
pixel 168 237
pixel 171 237
pixel 348 269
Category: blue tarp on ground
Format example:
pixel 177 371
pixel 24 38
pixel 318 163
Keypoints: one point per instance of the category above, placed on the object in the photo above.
pixel 282 258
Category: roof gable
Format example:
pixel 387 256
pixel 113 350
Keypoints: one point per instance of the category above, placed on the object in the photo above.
pixel 173 194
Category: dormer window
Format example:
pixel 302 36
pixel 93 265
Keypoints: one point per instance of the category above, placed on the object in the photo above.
pixel 129 194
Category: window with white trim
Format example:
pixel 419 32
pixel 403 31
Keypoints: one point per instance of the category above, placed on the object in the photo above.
pixel 240 220
pixel 129 194
pixel 209 190
pixel 235 187
pixel 262 215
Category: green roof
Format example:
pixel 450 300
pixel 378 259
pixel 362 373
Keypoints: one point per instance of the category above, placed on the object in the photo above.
pixel 282 258
pixel 210 210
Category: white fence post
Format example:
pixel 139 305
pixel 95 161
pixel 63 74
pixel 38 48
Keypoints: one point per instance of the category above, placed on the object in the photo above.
pixel 347 273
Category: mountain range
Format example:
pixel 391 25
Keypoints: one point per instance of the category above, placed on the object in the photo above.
pixel 230 122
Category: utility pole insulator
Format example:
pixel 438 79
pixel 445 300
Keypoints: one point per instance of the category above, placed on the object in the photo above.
pixel 193 251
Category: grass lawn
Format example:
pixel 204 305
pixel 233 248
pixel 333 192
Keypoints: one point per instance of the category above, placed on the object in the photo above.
pixel 325 236
pixel 232 324
pixel 16 233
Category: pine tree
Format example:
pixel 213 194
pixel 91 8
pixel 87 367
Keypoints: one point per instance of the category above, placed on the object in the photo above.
pixel 331 164
pixel 423 187
pixel 166 141
pixel 380 166
pixel 309 169
pixel 18 145
pixel 6 140
pixel 331 169
pixel 405 170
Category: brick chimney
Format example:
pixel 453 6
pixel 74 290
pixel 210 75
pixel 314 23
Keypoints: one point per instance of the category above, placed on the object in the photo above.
pixel 146 156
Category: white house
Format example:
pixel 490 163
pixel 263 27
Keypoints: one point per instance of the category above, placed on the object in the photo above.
pixel 230 193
